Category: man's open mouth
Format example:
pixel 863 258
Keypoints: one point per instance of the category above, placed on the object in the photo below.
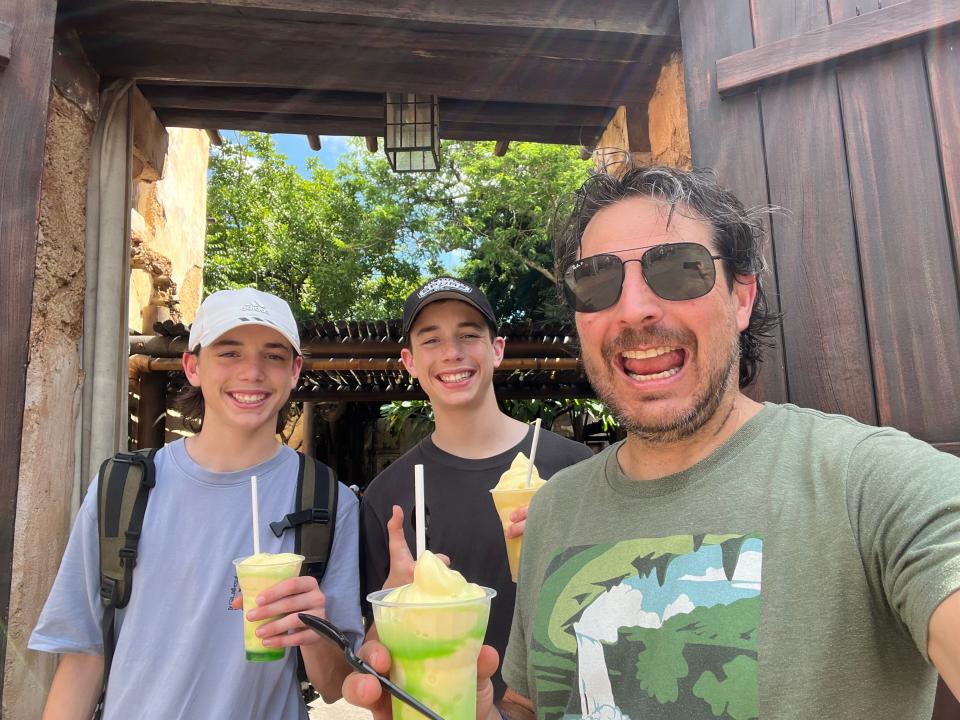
pixel 653 363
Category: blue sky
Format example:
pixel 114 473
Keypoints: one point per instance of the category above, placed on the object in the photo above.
pixel 297 150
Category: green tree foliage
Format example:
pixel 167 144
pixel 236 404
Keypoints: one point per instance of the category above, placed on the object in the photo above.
pixel 489 218
pixel 312 241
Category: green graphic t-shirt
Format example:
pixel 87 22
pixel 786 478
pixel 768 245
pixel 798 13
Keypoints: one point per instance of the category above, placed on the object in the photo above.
pixel 791 574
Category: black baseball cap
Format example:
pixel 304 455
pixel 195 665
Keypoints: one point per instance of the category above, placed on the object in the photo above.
pixel 446 288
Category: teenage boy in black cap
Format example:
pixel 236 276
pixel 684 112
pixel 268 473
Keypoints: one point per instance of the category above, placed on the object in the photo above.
pixel 450 345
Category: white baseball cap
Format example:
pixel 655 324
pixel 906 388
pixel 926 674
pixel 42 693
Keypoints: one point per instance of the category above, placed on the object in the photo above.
pixel 225 310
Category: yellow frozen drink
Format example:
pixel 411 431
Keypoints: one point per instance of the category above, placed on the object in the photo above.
pixel 434 628
pixel 511 493
pixel 255 574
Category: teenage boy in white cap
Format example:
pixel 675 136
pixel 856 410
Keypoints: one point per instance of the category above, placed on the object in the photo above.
pixel 179 651
pixel 452 348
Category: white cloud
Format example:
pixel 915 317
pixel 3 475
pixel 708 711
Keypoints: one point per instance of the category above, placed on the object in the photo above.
pixel 711 575
pixel 748 568
pixel 680 606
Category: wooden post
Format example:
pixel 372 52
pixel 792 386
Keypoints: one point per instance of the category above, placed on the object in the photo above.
pixel 309 429
pixel 24 92
pixel 152 411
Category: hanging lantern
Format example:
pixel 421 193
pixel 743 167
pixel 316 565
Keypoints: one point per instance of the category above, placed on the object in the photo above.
pixel 411 137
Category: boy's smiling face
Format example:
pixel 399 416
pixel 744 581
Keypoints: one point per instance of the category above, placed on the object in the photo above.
pixel 452 354
pixel 246 376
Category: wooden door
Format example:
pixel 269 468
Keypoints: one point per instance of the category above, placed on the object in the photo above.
pixel 847 115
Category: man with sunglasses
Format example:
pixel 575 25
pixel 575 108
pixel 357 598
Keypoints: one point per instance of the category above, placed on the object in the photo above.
pixel 729 558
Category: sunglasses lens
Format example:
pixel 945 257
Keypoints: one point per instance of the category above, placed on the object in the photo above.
pixel 679 271
pixel 594 283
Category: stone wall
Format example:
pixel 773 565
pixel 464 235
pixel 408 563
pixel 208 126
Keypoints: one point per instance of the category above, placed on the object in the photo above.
pixel 47 499
pixel 169 221
pixel 656 134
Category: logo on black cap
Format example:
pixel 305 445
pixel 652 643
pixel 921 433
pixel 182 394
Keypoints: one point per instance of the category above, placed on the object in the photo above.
pixel 444 284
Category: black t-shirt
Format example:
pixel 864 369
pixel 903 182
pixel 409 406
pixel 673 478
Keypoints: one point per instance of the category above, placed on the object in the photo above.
pixel 462 522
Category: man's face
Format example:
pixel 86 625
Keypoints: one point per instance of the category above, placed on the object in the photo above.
pixel 663 367
pixel 246 376
pixel 451 354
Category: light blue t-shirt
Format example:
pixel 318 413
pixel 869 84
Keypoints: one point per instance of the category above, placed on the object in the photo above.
pixel 179 650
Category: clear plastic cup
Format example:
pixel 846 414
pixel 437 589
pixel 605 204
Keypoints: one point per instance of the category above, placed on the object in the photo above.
pixel 255 577
pixel 434 649
pixel 506 501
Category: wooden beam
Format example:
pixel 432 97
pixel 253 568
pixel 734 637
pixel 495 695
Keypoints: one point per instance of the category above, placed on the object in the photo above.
pixel 145 365
pixel 361 127
pixel 639 17
pixel 6 43
pixel 136 40
pixel 361 104
pixel 314 142
pixel 24 92
pixel 371 143
pixel 575 82
pixel 215 137
pixel 500 149
pixel 216 27
pixel 832 43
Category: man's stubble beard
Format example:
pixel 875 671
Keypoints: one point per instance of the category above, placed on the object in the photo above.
pixel 687 423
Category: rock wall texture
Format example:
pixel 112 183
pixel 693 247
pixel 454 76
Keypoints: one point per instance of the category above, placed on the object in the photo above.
pixel 669 127
pixel 168 233
pixel 46 501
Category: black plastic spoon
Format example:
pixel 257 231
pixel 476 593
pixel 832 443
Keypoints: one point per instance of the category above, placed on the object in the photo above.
pixel 335 635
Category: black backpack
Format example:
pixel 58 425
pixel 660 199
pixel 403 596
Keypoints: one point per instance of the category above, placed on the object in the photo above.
pixel 123 487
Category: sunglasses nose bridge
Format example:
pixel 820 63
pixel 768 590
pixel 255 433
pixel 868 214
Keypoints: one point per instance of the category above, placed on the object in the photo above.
pixel 637 298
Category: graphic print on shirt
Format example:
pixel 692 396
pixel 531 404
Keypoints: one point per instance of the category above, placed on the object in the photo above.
pixel 650 628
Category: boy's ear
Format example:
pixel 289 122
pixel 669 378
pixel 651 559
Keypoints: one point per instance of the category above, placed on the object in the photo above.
pixel 499 345
pixel 297 367
pixel 406 357
pixel 190 361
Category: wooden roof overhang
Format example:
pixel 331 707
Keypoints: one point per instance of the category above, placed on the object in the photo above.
pixel 538 70
pixel 358 361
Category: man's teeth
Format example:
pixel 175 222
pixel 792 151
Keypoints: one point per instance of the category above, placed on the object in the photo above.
pixel 651 353
pixel 249 399
pixel 456 377
pixel 655 376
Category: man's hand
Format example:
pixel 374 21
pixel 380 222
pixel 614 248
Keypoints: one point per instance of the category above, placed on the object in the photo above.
pixel 287 598
pixel 519 519
pixel 365 691
pixel 401 559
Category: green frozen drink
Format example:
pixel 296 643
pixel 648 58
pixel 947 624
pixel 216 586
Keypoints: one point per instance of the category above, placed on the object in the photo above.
pixel 434 628
pixel 255 574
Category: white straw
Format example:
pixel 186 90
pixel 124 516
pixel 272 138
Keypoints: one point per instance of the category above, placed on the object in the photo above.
pixel 533 450
pixel 421 524
pixel 256 514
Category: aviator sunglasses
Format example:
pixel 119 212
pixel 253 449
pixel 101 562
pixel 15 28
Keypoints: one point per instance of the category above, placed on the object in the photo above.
pixel 673 271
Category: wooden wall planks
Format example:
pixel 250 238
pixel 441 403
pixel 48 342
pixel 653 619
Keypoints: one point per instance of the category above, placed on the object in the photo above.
pixel 24 90
pixel 909 285
pixel 727 135
pixel 825 339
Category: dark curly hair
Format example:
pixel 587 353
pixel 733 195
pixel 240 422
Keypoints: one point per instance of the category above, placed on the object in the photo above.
pixel 737 231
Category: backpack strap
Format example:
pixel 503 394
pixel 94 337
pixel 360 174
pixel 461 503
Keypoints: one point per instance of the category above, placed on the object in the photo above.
pixel 123 487
pixel 313 520
pixel 314 517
